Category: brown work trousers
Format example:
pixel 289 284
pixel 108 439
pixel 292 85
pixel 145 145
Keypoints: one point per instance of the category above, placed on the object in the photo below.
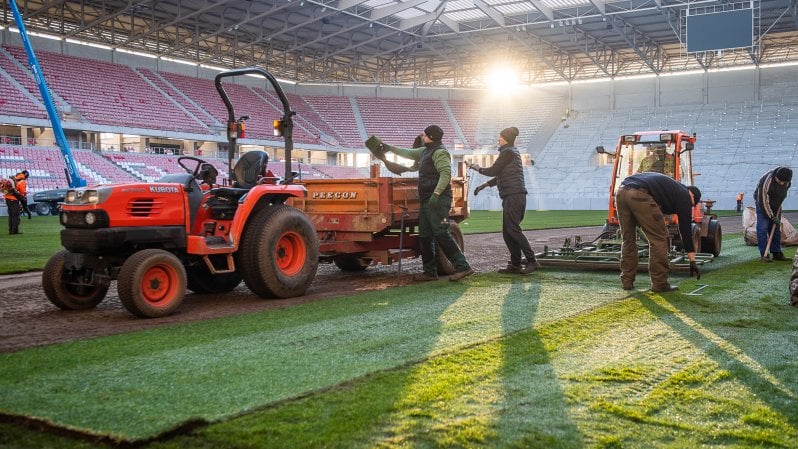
pixel 637 208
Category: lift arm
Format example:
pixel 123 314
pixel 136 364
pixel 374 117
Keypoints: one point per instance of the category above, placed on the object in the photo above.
pixel 73 177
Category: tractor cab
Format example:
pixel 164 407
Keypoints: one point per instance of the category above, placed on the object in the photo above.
pixel 666 152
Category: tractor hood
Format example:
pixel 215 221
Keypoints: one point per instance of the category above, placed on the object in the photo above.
pixel 150 204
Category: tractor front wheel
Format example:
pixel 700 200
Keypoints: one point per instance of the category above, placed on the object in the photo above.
pixel 152 283
pixel 72 288
pixel 279 253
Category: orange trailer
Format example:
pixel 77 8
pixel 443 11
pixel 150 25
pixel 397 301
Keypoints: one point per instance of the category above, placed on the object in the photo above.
pixel 366 221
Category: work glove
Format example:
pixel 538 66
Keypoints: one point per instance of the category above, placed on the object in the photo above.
pixel 433 200
pixel 474 167
pixel 479 189
pixel 694 270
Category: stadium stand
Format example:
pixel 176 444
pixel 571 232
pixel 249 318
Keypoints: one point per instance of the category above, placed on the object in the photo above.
pixel 179 97
pixel 737 141
pixel 47 168
pixel 466 113
pixel 398 121
pixel 338 113
pixel 118 95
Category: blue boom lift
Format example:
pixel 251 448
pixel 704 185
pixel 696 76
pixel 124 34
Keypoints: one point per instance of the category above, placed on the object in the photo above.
pixel 71 170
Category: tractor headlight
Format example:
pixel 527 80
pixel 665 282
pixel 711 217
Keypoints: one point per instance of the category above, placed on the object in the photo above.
pixel 90 196
pixel 78 219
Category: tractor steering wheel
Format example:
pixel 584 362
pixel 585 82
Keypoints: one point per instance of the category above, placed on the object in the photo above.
pixel 196 170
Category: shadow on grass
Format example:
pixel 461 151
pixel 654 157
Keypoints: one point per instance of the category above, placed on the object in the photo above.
pixel 533 411
pixel 748 335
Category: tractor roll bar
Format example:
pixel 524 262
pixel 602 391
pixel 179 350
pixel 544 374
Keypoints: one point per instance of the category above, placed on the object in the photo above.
pixel 288 121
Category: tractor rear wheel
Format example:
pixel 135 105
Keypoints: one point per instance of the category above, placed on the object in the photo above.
pixel 70 289
pixel 445 266
pixel 201 280
pixel 713 241
pixel 152 283
pixel 279 253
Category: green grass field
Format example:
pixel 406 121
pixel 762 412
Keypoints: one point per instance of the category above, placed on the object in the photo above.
pixel 558 359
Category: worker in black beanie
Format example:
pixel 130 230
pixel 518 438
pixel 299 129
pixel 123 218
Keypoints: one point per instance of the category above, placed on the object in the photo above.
pixel 508 176
pixel 769 194
pixel 435 194
pixel 434 132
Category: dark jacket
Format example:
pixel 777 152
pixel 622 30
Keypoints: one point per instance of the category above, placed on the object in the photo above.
pixel 769 195
pixel 428 174
pixel 508 172
pixel 672 197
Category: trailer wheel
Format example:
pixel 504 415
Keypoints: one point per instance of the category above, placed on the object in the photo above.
pixel 279 253
pixel 713 241
pixel 69 289
pixel 152 283
pixel 348 262
pixel 201 280
pixel 445 266
pixel 43 209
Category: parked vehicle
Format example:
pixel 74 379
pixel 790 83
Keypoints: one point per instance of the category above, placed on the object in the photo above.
pixel 48 202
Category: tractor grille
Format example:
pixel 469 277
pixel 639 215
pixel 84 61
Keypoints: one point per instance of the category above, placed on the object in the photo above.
pixel 144 207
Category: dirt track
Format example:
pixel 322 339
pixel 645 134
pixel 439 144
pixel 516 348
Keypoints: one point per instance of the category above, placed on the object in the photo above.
pixel 28 319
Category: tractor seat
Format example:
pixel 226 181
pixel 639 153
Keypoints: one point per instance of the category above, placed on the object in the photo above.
pixel 249 169
pixel 228 192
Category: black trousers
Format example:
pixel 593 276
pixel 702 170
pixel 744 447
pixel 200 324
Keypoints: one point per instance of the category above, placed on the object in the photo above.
pixel 14 211
pixel 513 210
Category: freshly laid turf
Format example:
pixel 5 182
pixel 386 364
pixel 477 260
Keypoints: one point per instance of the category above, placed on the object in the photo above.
pixel 556 359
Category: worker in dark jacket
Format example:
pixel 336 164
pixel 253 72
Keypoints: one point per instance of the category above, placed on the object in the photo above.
pixel 435 193
pixel 508 176
pixel 643 200
pixel 769 194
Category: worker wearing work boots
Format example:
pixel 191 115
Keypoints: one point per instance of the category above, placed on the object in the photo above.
pixel 508 176
pixel 643 200
pixel 769 194
pixel 435 193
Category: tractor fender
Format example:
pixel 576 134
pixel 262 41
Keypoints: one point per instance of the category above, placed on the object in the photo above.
pixel 258 198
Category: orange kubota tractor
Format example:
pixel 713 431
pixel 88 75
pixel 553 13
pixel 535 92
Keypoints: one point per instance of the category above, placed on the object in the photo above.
pixel 184 231
pixel 667 152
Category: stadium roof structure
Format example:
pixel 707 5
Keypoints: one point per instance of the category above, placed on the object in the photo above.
pixel 444 43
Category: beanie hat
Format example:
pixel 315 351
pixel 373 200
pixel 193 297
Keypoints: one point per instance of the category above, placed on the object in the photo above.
pixel 783 173
pixel 25 172
pixel 434 132
pixel 509 134
pixel 696 193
